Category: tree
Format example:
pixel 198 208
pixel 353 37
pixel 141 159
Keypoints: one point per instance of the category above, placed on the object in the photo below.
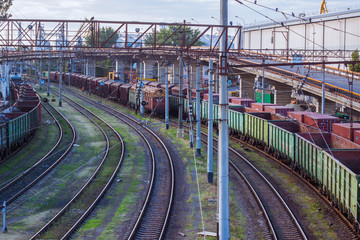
pixel 4 7
pixel 105 33
pixel 355 57
pixel 174 36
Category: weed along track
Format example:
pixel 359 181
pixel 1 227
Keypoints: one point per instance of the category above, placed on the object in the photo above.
pixel 79 207
pixel 151 221
pixel 24 181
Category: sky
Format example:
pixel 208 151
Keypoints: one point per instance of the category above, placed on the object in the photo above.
pixel 194 11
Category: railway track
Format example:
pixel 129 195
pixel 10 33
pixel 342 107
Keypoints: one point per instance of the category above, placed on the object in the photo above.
pixel 14 188
pixel 282 223
pixel 67 220
pixel 152 219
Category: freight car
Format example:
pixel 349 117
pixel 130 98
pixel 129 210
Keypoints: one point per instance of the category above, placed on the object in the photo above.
pixel 329 161
pixel 20 121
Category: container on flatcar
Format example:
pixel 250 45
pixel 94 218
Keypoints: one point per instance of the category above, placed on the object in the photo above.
pixel 299 115
pixel 261 106
pixel 344 130
pixel 215 98
pixel 322 121
pixel 246 102
pixel 357 137
pixel 282 110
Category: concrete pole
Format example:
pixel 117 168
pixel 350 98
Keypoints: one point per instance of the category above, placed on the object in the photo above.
pixel 223 153
pixel 131 72
pixel 180 131
pixel 323 90
pixel 210 125
pixel 4 217
pixel 48 83
pixel 60 82
pixel 263 83
pixel 198 127
pixel 69 71
pixel 158 72
pixel 141 90
pixel 167 97
pixel 40 75
pixel 190 105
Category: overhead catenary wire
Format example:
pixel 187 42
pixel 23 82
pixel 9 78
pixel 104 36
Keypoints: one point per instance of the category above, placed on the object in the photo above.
pixel 300 18
pixel 287 27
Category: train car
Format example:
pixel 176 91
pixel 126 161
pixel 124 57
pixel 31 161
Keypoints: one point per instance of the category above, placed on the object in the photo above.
pixel 107 88
pixel 175 91
pixel 170 86
pixel 53 76
pixel 155 100
pixel 115 91
pixel 340 178
pixel 124 93
pixel 132 96
pixel 155 84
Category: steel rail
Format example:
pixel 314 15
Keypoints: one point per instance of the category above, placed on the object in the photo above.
pixel 37 179
pixel 79 192
pixel 299 228
pixel 146 202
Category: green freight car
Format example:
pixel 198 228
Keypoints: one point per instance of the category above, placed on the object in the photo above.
pixel 256 128
pixel 341 179
pixel 282 139
pixel 205 112
pixel 236 122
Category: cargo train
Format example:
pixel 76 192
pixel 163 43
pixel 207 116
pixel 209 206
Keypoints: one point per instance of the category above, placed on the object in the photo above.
pixel 311 144
pixel 19 122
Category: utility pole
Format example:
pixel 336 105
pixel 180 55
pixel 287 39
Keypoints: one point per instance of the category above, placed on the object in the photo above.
pixel 48 83
pixel 60 82
pixel 167 96
pixel 190 105
pixel 180 131
pixel 40 67
pixel 210 125
pixel 263 83
pixel 141 90
pixel 198 127
pixel 4 217
pixel 223 153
